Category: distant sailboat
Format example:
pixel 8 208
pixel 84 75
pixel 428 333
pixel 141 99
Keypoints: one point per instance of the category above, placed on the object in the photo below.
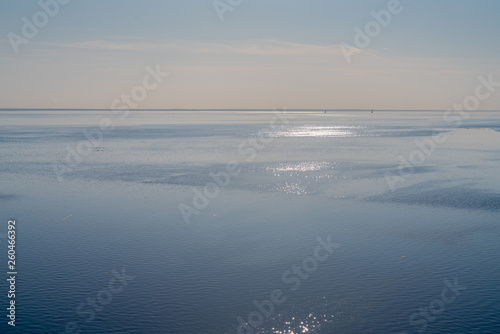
pixel 372 111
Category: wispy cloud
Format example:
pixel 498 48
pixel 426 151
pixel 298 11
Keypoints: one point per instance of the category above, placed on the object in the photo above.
pixel 105 45
pixel 248 47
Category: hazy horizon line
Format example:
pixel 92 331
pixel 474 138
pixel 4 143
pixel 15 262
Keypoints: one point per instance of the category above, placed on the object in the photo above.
pixel 232 109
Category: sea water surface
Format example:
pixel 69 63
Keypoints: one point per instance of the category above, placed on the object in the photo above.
pixel 234 221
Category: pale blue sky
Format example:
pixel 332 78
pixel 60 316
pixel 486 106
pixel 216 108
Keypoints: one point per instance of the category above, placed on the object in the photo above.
pixel 265 54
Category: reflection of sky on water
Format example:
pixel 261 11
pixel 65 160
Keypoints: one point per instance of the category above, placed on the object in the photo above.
pixel 309 324
pixel 298 176
pixel 294 188
pixel 317 131
pixel 300 166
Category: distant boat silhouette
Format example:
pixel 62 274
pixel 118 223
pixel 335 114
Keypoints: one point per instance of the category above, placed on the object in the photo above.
pixel 372 111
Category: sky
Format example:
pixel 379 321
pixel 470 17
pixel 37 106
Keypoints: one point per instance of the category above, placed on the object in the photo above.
pixel 245 54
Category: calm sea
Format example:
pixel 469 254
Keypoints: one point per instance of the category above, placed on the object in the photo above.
pixel 251 221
